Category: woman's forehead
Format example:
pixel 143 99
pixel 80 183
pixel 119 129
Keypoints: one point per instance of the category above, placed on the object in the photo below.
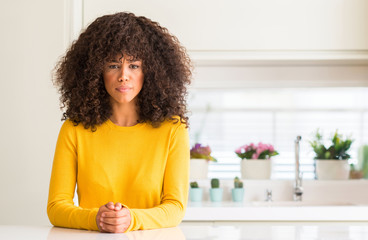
pixel 119 57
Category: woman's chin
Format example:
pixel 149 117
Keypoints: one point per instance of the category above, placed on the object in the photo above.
pixel 123 101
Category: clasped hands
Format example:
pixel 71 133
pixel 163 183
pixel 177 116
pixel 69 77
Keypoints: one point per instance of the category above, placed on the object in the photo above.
pixel 113 218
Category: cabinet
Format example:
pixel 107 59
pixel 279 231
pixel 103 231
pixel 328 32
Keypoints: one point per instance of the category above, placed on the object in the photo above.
pixel 239 25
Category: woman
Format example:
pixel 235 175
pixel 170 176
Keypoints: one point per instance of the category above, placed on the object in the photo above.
pixel 125 139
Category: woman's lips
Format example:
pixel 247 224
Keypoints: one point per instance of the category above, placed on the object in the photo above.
pixel 123 89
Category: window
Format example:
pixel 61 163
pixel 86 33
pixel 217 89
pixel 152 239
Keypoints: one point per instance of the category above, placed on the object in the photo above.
pixel 228 118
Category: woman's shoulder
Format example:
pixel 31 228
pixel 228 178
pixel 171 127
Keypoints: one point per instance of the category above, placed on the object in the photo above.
pixel 168 123
pixel 174 124
pixel 68 123
pixel 174 121
pixel 70 126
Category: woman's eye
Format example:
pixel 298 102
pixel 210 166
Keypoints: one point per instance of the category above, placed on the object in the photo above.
pixel 134 66
pixel 113 66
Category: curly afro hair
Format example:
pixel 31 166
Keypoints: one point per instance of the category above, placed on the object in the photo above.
pixel 165 65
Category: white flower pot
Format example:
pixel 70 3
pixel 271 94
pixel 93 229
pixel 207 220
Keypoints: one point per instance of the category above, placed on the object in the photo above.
pixel 198 169
pixel 256 168
pixel 332 169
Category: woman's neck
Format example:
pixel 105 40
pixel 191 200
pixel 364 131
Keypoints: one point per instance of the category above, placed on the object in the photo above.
pixel 124 115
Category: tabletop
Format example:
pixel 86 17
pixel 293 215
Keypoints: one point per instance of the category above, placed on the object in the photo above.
pixel 202 231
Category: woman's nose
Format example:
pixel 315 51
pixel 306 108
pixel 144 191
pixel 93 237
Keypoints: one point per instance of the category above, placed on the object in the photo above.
pixel 123 75
pixel 122 79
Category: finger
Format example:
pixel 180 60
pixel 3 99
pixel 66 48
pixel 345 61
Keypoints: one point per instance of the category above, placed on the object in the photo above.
pixel 98 221
pixel 113 220
pixel 101 229
pixel 114 228
pixel 124 212
pixel 118 206
pixel 110 205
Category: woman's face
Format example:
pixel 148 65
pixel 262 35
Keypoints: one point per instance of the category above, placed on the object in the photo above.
pixel 123 78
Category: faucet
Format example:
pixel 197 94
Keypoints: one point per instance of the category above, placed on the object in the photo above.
pixel 298 190
pixel 268 195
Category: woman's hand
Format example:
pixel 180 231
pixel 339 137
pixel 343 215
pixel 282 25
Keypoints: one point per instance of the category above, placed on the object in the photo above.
pixel 113 218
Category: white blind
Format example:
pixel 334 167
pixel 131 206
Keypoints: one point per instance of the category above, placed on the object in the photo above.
pixel 228 118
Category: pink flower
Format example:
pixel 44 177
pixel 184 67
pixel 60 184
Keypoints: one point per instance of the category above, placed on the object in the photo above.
pixel 270 148
pixel 239 150
pixel 256 151
pixel 201 152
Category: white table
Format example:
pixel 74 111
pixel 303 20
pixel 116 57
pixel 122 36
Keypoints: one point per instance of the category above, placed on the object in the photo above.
pixel 202 231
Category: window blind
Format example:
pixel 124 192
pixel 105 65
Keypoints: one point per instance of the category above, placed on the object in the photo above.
pixel 225 119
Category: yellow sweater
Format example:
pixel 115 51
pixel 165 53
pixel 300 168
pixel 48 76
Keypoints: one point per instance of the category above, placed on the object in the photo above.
pixel 144 168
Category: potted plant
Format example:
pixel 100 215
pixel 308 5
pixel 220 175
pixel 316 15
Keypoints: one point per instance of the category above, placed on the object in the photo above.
pixel 195 192
pixel 256 160
pixel 363 160
pixel 332 161
pixel 215 190
pixel 238 191
pixel 199 159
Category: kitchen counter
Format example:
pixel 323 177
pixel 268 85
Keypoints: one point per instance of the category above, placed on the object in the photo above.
pixel 204 231
pixel 329 200
pixel 276 211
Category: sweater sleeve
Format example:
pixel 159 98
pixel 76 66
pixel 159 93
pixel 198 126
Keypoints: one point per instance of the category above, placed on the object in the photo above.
pixel 60 207
pixel 175 188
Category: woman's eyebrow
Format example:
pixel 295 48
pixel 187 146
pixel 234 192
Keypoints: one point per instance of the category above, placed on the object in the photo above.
pixel 119 61
pixel 114 61
pixel 133 60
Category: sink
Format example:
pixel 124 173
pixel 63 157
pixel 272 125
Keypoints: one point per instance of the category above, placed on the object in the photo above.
pixel 299 204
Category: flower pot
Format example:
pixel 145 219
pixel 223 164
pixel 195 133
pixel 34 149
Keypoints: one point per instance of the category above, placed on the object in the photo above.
pixel 216 194
pixel 237 194
pixel 195 194
pixel 332 169
pixel 198 168
pixel 256 168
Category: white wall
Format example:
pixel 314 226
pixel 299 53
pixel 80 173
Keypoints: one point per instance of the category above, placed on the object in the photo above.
pixel 31 41
pixel 33 36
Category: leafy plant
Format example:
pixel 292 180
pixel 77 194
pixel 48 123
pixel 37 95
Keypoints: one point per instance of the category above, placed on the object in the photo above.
pixel 194 185
pixel 238 183
pixel 201 152
pixel 363 159
pixel 337 150
pixel 215 183
pixel 259 151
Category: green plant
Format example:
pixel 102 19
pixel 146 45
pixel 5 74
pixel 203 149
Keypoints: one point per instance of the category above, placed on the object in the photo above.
pixel 337 150
pixel 215 183
pixel 194 185
pixel 363 159
pixel 201 152
pixel 238 183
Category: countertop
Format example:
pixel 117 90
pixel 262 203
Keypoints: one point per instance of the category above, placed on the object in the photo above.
pixel 276 211
pixel 201 231
pixel 327 200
